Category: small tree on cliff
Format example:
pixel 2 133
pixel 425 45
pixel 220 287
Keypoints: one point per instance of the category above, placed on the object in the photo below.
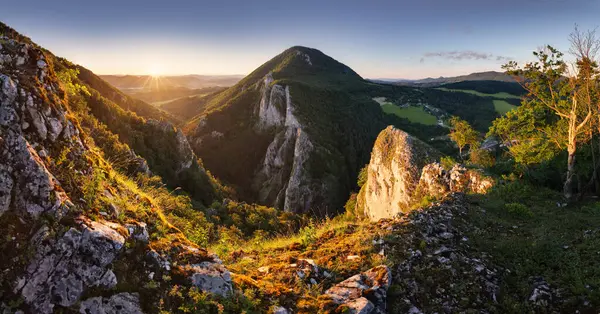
pixel 462 134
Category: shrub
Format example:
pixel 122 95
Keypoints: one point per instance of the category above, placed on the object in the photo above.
pixel 362 176
pixel 308 234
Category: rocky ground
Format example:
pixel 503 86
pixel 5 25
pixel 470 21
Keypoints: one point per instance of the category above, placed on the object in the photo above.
pixel 417 263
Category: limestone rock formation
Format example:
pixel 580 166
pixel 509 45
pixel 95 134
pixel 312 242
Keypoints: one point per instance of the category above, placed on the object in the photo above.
pixel 403 170
pixel 212 277
pixel 283 178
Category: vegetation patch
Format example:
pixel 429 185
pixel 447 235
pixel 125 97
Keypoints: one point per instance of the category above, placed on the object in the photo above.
pixel 502 106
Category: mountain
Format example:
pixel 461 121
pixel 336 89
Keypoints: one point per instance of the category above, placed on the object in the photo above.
pixel 105 208
pixel 292 134
pixel 161 97
pixel 147 131
pixel 164 89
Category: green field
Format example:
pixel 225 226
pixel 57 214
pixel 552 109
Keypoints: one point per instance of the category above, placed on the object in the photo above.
pixel 413 114
pixel 502 107
pixel 502 95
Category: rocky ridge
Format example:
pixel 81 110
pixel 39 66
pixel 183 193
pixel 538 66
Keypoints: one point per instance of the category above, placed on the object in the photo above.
pixel 56 254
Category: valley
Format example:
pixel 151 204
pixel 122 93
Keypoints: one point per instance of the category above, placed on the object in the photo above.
pixel 302 187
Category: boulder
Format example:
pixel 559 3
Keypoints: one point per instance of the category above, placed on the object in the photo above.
pixel 117 304
pixel 362 293
pixel 211 277
pixel 63 269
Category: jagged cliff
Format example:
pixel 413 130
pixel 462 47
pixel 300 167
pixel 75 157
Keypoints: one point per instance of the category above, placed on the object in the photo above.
pixel 283 177
pixel 78 235
pixel 404 170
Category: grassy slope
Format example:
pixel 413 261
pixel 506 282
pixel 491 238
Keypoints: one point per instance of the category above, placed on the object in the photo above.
pixel 539 238
pixel 414 114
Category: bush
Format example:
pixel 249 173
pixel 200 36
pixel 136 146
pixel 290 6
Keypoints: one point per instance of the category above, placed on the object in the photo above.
pixel 362 176
pixel 250 218
pixel 308 234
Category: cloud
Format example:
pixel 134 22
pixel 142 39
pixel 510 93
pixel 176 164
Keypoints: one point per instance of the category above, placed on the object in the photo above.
pixel 462 55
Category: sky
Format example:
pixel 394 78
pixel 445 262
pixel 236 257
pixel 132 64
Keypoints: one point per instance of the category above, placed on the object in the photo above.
pixel 378 39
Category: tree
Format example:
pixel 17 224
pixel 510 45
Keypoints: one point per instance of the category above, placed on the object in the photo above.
pixel 552 87
pixel 462 134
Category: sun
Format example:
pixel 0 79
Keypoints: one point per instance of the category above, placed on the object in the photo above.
pixel 154 72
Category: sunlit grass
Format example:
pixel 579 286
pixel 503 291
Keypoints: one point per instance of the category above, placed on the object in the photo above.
pixel 413 114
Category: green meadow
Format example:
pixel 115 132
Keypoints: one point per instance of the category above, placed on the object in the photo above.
pixel 413 114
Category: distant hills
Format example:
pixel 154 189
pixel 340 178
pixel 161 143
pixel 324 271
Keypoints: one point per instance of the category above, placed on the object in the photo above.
pixel 163 89
pixel 429 82
pixel 147 82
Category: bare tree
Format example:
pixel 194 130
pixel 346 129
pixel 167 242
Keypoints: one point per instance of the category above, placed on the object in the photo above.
pixel 585 48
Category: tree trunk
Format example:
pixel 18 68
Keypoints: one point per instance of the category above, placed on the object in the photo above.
pixel 568 186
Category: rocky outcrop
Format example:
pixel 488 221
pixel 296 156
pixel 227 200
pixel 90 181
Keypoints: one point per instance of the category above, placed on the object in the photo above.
pixel 363 293
pixel 436 182
pixel 403 170
pixel 393 173
pixel 283 179
pixel 62 270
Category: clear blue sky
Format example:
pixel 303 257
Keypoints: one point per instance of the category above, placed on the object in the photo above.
pixel 378 39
